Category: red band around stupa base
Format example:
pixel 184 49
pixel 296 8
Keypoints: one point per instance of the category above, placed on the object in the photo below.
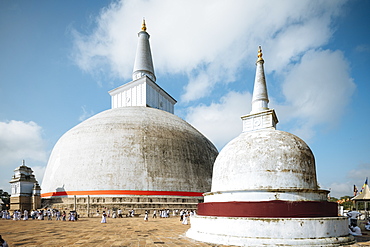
pixel 123 192
pixel 269 209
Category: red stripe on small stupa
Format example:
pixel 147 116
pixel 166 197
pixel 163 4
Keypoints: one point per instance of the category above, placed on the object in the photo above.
pixel 269 209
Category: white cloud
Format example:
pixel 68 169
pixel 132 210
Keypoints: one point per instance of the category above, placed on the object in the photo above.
pixel 360 173
pixel 221 121
pixel 197 87
pixel 108 50
pixel 338 190
pixel 200 37
pixel 355 176
pixel 317 90
pixel 85 114
pixel 364 48
pixel 20 140
pixel 212 42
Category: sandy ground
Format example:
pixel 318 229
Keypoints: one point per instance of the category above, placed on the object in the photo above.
pixel 116 232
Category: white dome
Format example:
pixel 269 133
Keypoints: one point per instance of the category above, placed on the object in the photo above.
pixel 131 148
pixel 265 159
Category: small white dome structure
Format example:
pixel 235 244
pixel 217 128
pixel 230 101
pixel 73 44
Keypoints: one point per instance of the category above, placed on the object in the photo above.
pixel 264 188
pixel 265 160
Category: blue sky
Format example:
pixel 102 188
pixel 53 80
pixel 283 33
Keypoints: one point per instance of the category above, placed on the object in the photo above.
pixel 59 59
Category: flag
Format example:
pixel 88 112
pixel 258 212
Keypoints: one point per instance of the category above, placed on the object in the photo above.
pixel 355 190
pixel 363 186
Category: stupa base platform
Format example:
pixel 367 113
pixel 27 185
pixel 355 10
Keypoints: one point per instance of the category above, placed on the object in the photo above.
pixel 88 206
pixel 243 231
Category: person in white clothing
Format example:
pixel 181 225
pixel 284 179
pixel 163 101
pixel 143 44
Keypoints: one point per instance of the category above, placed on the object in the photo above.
pixel 146 215
pixel 104 217
pixel 355 230
pixel 40 215
pixel 25 216
pixel 15 215
pixel 33 214
pixel 367 225
pixel 185 218
pixel 58 215
pixel 353 215
pixel 72 216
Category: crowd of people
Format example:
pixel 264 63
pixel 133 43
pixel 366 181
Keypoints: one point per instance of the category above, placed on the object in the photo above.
pixel 354 229
pixel 162 213
pixel 60 215
pixel 184 214
pixel 41 214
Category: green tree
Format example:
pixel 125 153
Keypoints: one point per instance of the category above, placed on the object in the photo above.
pixel 5 197
pixel 344 201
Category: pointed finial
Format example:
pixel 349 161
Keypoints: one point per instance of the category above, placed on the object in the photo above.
pixel 143 26
pixel 259 54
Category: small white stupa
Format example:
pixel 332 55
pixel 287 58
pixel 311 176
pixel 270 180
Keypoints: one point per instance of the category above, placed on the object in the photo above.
pixel 264 188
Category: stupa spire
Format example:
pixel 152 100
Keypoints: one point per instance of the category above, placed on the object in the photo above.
pixel 261 116
pixel 260 97
pixel 143 89
pixel 143 61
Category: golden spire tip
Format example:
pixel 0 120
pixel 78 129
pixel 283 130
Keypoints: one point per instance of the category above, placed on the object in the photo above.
pixel 259 54
pixel 143 26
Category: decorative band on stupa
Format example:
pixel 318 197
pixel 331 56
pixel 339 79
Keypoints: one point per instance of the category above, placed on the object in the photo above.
pixel 123 192
pixel 269 209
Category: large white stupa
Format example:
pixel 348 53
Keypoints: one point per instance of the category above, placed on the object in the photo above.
pixel 264 188
pixel 137 155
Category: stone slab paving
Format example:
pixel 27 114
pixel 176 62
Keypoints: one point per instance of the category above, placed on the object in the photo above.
pixel 116 232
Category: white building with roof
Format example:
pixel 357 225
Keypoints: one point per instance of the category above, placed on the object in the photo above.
pixel 25 190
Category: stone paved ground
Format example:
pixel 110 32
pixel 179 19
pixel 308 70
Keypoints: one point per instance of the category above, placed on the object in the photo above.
pixel 117 232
